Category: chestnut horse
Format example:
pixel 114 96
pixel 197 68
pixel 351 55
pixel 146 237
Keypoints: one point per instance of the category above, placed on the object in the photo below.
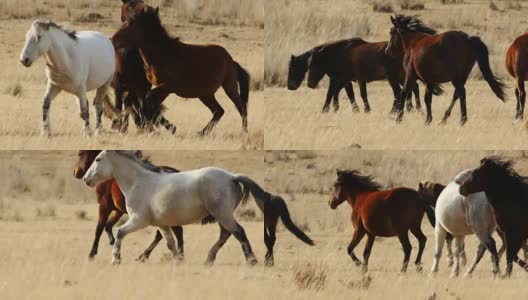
pixel 386 213
pixel 517 66
pixel 189 71
pixel 434 59
pixel 112 206
pixel 507 192
pixel 345 61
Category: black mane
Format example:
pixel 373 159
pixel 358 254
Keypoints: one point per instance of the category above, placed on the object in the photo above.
pixel 412 24
pixel 502 171
pixel 353 179
pixel 153 25
pixel 50 24
pixel 143 160
pixel 337 45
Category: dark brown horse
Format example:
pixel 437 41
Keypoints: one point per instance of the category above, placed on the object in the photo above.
pixel 189 71
pixel 507 192
pixel 386 213
pixel 436 59
pixel 349 60
pixel 112 206
pixel 517 66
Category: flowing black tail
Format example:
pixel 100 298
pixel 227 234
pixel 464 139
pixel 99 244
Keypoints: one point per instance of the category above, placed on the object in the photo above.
pixel 481 51
pixel 243 82
pixel 274 205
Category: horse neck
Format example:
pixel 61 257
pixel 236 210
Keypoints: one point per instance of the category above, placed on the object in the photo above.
pixel 127 173
pixel 58 57
pixel 154 49
pixel 506 191
pixel 407 38
pixel 356 199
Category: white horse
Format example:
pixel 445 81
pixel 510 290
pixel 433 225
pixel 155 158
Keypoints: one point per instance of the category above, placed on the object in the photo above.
pixel 463 216
pixel 165 199
pixel 76 62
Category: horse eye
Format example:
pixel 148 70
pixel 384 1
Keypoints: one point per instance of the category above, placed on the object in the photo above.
pixel 97 159
pixel 38 37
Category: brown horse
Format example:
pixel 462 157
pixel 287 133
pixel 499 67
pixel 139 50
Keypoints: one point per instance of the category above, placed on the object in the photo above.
pixel 517 66
pixel 345 61
pixel 189 71
pixel 434 59
pixel 381 213
pixel 112 206
pixel 507 192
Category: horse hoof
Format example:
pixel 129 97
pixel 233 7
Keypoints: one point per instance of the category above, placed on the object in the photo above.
pixel 367 110
pixel 269 263
pixel 112 242
pixel 450 263
pixel 355 109
pixel 358 263
pixel 91 256
pixel 209 263
pixel 116 261
pixel 463 122
pixel 419 268
pixel 45 133
pixel 142 258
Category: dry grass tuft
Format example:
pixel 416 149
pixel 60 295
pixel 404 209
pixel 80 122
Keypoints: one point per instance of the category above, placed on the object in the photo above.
pixel 513 4
pixel 46 212
pixel 90 18
pixel 81 215
pixel 493 6
pixel 412 5
pixel 247 214
pixel 310 276
pixel 452 1
pixel 382 6
pixel 14 90
pixel 362 284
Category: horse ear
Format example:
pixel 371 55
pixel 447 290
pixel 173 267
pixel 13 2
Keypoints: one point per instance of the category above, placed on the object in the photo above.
pixel 124 1
pixel 339 172
pixel 420 186
pixel 392 20
pixel 157 10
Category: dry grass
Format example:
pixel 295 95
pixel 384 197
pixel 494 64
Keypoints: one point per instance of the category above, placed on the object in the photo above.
pixel 332 232
pixel 235 24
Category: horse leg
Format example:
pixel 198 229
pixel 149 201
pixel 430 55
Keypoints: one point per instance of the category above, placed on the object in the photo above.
pixel 85 113
pixel 450 108
pixel 131 225
pixel 406 245
pixel 525 251
pixel 146 254
pixel 167 124
pixel 216 109
pixel 270 238
pixel 463 110
pixel 428 99
pixel 440 237
pixel 329 95
pixel 350 93
pixel 240 235
pixel 112 220
pixel 422 239
pixel 119 92
pixel 368 249
pixel 103 218
pixel 171 244
pixel 100 93
pixel 396 91
pixel 363 93
pixel 449 246
pixel 337 89
pixel 230 86
pixel 224 235
pixel 51 92
pixel 480 253
pixel 416 92
pixel 359 233
pixel 178 233
pixel 502 249
pixel 521 98
pixel 492 248
pixel 459 244
pixel 513 245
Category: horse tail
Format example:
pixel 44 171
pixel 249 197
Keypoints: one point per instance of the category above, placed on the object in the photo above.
pixel 429 211
pixel 243 81
pixel 111 112
pixel 275 204
pixel 249 185
pixel 437 89
pixel 279 206
pixel 481 51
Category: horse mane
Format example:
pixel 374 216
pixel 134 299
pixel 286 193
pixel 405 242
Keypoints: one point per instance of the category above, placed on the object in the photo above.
pixel 141 159
pixel 50 24
pixel 330 47
pixel 153 24
pixel 503 170
pixel 412 24
pixel 354 179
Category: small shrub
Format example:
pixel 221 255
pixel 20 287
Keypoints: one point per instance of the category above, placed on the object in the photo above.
pixel 512 4
pixel 48 211
pixel 310 276
pixel 247 214
pixel 412 5
pixel 382 6
pixel 81 215
pixel 14 90
pixel 452 1
pixel 493 6
pixel 89 18
pixel 362 284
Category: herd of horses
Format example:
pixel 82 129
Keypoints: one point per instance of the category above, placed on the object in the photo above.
pixel 140 55
pixel 481 201
pixel 414 52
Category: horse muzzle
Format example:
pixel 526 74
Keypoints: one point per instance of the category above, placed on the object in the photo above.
pixel 88 182
pixel 26 62
pixel 311 84
pixel 463 190
pixel 78 174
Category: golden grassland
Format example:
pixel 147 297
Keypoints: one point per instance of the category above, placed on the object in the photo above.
pixel 305 179
pixel 237 25
pixel 48 221
pixel 294 26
